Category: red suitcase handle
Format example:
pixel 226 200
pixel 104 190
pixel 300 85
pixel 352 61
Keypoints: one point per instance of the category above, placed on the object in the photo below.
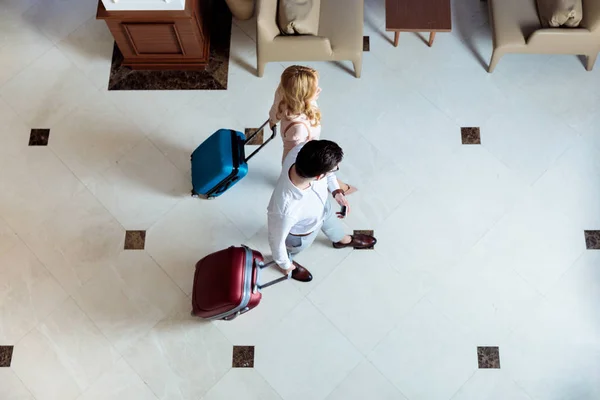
pixel 261 265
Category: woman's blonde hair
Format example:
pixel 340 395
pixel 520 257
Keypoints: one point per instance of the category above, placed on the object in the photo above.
pixel 298 88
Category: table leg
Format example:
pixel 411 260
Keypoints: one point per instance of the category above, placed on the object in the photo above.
pixel 431 38
pixel 396 38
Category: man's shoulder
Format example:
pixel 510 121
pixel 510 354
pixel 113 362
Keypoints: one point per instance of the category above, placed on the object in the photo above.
pixel 283 200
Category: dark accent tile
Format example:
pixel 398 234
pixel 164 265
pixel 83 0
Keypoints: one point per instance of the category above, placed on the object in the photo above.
pixel 470 135
pixel 366 43
pixel 243 357
pixel 39 137
pixel 488 357
pixel 258 139
pixel 592 240
pixel 214 77
pixel 6 353
pixel 135 240
pixel 364 232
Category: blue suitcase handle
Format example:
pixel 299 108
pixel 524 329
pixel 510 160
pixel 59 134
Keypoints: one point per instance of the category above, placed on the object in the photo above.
pixel 248 139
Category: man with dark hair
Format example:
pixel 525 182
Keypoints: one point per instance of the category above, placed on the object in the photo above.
pixel 300 206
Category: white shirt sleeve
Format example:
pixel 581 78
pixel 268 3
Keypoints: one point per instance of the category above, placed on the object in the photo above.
pixel 332 183
pixel 279 227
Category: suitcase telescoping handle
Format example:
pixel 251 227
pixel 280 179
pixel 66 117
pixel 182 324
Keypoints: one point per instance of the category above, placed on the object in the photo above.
pixel 248 139
pixel 262 265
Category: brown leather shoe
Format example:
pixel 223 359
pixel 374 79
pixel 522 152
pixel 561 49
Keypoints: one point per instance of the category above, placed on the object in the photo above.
pixel 360 241
pixel 300 273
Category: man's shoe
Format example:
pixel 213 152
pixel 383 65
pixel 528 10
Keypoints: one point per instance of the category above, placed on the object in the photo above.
pixel 300 273
pixel 359 241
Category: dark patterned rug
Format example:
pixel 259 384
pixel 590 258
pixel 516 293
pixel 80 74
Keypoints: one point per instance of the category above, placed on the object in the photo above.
pixel 214 77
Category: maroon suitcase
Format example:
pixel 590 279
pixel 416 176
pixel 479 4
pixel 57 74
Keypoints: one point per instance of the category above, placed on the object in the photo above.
pixel 226 283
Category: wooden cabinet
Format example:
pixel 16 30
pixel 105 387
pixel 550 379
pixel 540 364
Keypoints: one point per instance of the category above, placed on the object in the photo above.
pixel 161 40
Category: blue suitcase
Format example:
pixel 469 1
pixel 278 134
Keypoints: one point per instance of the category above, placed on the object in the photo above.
pixel 220 161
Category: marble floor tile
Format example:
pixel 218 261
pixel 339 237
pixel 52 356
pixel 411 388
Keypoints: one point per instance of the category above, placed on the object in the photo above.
pixel 546 361
pixel 54 364
pixel 140 187
pixel 488 298
pixel 58 18
pixel 365 382
pixel 242 383
pixel 94 137
pixel 16 6
pixel 422 135
pixel 567 99
pixel 20 43
pixel 90 47
pixel 11 386
pixel 426 347
pixel 532 235
pixel 149 108
pixel 29 292
pixel 39 137
pixel 424 234
pixel 190 231
pixel 28 175
pixel 592 240
pixel 182 357
pixel 126 299
pixel 379 298
pixel 570 186
pixel 6 353
pixel 76 241
pixel 574 297
pixel 491 385
pixel 14 133
pixel 119 382
pixel 135 240
pixel 366 43
pixel 287 368
pixel 470 135
pixel 243 357
pixel 47 90
pixel 521 127
pixel 488 357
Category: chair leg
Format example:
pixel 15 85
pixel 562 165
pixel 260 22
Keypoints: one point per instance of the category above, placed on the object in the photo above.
pixel 357 66
pixel 260 68
pixel 496 55
pixel 591 60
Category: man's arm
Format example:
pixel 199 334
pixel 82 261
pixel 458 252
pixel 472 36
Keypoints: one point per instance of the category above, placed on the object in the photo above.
pixel 332 183
pixel 279 227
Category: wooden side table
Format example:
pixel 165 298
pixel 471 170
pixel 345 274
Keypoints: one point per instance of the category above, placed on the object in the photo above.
pixel 161 40
pixel 417 16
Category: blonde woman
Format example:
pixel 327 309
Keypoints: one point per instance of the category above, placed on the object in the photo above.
pixel 296 107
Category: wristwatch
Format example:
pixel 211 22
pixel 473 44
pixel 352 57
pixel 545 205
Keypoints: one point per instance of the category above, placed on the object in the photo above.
pixel 336 192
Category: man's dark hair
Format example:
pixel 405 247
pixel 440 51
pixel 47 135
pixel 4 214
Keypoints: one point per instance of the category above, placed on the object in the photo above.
pixel 318 157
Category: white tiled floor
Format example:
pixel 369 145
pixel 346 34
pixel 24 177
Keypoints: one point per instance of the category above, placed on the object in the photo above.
pixel 478 245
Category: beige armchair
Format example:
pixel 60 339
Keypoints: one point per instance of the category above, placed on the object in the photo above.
pixel 517 29
pixel 340 35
